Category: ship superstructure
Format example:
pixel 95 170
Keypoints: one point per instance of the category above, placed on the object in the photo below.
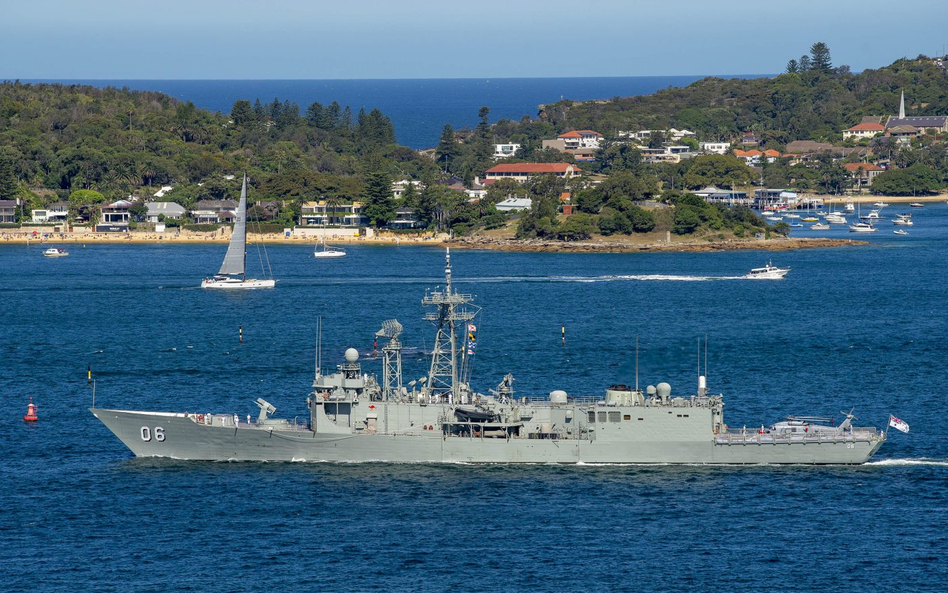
pixel 354 417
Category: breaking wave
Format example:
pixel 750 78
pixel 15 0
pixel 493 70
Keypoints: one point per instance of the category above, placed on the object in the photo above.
pixel 905 462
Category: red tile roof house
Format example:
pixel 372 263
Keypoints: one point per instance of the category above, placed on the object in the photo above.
pixel 863 173
pixel 864 130
pixel 524 171
pixel 576 139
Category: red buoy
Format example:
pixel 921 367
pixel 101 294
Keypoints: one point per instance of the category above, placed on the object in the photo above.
pixel 31 412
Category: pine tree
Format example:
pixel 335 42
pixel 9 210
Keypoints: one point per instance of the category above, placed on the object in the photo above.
pixel 792 67
pixel 8 184
pixel 379 205
pixel 820 57
pixel 448 150
pixel 804 63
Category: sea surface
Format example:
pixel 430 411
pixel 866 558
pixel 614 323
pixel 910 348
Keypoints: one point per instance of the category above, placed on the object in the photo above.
pixel 860 328
pixel 418 108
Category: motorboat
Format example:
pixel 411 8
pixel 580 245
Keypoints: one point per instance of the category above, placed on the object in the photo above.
pixel 774 218
pixel 901 232
pixel 796 225
pixel 903 220
pixel 880 204
pixel 809 219
pixel 917 205
pixel 820 226
pixel 862 227
pixel 55 252
pixel 233 272
pixel 791 215
pixel 768 272
pixel 324 252
pixel 873 215
pixel 850 207
pixel 836 219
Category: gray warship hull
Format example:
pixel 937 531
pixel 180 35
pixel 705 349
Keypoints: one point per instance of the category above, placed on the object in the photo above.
pixel 184 438
pixel 355 418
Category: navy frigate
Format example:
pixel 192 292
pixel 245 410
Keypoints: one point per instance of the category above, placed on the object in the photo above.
pixel 357 416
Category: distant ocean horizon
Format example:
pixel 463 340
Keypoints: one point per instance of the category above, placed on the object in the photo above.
pixel 418 108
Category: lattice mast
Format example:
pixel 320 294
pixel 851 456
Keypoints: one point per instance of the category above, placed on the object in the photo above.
pixel 391 358
pixel 443 384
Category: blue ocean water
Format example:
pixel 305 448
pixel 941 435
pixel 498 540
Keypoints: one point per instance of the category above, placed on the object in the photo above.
pixel 418 108
pixel 861 327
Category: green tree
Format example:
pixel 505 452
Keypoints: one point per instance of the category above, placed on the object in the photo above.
pixel 686 221
pixel 577 227
pixel 242 113
pixel 792 67
pixel 718 169
pixel 913 180
pixel 448 150
pixel 379 204
pixel 820 57
pixel 8 183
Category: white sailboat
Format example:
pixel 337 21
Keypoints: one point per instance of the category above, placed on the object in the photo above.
pixel 233 272
pixel 327 252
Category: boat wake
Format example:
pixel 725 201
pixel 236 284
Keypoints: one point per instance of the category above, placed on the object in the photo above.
pixel 906 462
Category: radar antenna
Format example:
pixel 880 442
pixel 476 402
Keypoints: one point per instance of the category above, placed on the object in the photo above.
pixel 443 384
pixel 391 358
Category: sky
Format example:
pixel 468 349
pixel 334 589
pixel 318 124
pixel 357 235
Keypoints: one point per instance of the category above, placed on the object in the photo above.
pixel 319 39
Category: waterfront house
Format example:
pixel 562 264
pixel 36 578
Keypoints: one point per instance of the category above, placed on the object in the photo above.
pixel 115 217
pixel 209 211
pixel 170 210
pixel 399 187
pixel 7 211
pixel 863 130
pixel 319 213
pixel 405 218
pixel 503 151
pixel 525 171
pixel 55 212
pixel 714 147
pixel 863 173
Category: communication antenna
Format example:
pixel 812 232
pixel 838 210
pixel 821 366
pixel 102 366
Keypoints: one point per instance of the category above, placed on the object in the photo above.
pixel 705 356
pixel 319 338
pixel 636 363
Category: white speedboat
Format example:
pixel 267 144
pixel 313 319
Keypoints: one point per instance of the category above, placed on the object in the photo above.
pixel 850 207
pixel 233 272
pixel 836 219
pixel 328 252
pixel 917 205
pixel 902 232
pixel 862 227
pixel 880 204
pixel 768 272
pixel 820 226
pixel 774 218
pixel 55 252
pixel 903 220
pixel 791 215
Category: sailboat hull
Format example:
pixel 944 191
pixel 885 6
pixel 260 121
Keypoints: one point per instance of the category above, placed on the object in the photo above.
pixel 236 284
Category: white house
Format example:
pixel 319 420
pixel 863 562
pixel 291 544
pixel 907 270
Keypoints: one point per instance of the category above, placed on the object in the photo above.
pixel 714 147
pixel 399 187
pixel 865 130
pixel 56 212
pixel 514 204
pixel 576 139
pixel 503 151
pixel 168 209
pixel 524 171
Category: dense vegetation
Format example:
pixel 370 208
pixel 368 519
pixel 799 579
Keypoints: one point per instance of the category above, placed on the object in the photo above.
pixel 59 142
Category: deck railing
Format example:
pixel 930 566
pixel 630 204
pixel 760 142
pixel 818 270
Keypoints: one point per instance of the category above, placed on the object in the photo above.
pixel 754 437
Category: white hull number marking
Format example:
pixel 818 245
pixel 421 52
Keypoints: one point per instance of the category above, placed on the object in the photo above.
pixel 159 434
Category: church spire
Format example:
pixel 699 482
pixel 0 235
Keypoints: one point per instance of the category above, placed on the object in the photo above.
pixel 902 106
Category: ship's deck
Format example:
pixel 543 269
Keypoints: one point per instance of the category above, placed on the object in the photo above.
pixel 755 437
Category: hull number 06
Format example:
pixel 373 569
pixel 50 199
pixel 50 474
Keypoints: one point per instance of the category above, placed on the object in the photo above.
pixel 159 434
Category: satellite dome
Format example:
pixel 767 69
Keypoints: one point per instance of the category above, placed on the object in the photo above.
pixel 352 355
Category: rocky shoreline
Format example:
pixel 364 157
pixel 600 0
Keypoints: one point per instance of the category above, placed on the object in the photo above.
pixel 535 245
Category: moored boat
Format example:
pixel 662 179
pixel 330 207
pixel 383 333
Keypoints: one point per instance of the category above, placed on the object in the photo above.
pixel 55 252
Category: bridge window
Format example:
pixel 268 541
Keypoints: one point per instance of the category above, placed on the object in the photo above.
pixel 602 416
pixel 592 416
pixel 615 417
